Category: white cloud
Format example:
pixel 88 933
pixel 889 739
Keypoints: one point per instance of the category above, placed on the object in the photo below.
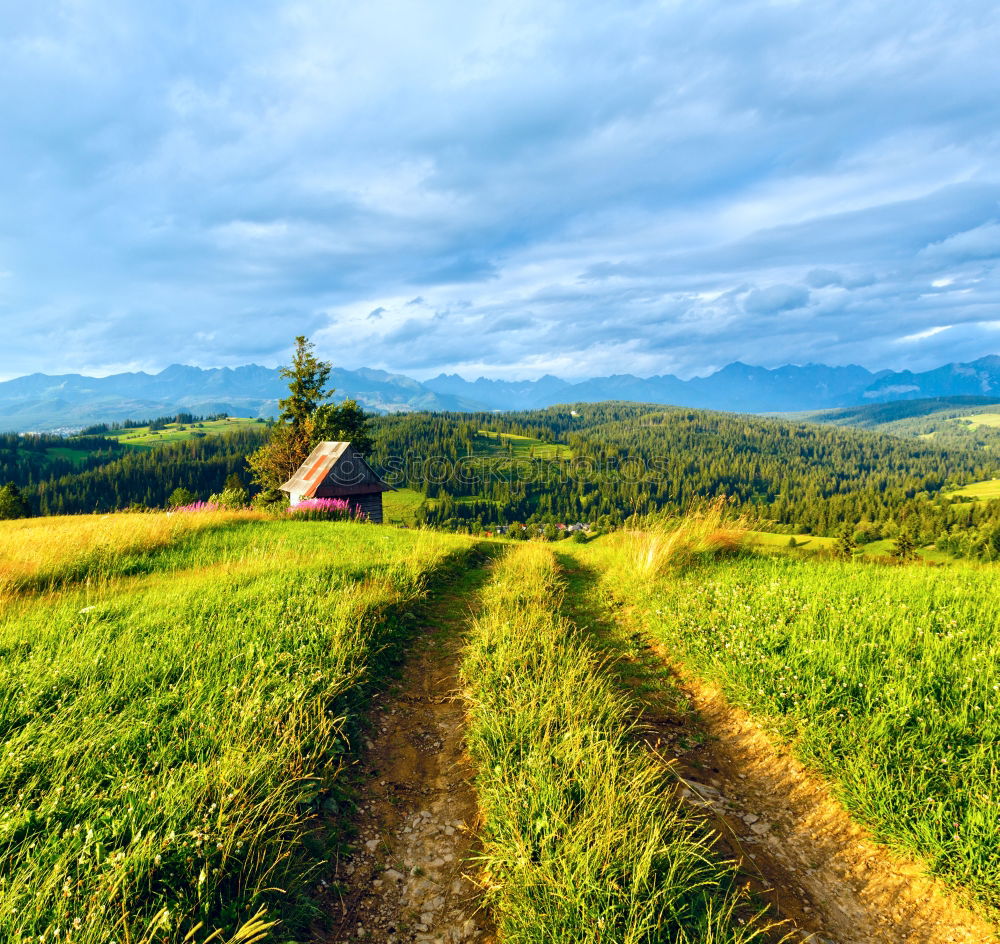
pixel 635 187
pixel 923 335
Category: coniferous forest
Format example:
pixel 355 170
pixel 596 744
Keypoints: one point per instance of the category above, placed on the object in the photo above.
pixel 596 463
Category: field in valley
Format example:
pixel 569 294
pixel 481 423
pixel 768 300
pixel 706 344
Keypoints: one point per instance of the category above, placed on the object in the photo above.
pixel 140 437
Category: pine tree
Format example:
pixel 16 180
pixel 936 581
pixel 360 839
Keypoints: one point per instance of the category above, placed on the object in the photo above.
pixel 845 545
pixel 292 437
pixel 12 503
pixel 904 548
pixel 307 377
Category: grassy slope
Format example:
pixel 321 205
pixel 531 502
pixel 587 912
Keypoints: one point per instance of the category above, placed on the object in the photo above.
pixel 885 679
pixel 811 543
pixel 984 491
pixel 491 443
pixel 582 841
pixel 400 506
pixel 981 419
pixel 170 740
pixel 143 438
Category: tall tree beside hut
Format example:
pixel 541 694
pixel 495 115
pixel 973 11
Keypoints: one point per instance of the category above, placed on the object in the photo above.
pixel 305 420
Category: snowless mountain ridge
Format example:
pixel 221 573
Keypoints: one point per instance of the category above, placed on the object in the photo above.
pixel 44 402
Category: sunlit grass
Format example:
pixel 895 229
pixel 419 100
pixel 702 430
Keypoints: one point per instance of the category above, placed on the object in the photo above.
pixel 35 552
pixel 400 506
pixel 984 491
pixel 886 679
pixel 173 742
pixel 144 437
pixel 582 840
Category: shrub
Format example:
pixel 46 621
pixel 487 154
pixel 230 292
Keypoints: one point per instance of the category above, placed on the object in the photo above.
pixel 230 498
pixel 181 497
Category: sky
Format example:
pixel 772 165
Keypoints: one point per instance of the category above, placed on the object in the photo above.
pixel 499 189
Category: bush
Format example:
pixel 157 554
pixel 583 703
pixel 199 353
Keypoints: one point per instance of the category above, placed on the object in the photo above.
pixel 271 499
pixel 180 497
pixel 231 499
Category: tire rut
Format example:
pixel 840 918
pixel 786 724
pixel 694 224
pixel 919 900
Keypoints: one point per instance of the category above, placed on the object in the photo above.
pixel 412 876
pixel 823 874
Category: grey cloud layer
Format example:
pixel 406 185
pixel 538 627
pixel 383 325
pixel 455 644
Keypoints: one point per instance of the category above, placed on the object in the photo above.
pixel 499 188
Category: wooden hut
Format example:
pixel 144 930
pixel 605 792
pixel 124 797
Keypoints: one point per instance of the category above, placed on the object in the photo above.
pixel 338 470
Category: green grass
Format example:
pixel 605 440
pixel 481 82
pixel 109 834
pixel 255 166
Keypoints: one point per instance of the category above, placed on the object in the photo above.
pixel 885 679
pixel 811 543
pixel 143 438
pixel 490 443
pixel 805 542
pixel 400 506
pixel 981 419
pixel 76 456
pixel 984 491
pixel 175 744
pixel 582 839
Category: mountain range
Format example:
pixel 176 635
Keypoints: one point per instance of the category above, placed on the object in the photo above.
pixel 42 402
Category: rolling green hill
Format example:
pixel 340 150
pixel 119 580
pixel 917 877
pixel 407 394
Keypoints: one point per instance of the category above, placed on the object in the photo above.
pixel 144 437
pixel 967 422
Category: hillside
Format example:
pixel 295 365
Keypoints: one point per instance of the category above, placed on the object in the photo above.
pixel 625 459
pixel 593 463
pixel 285 732
pixel 966 422
pixel 71 401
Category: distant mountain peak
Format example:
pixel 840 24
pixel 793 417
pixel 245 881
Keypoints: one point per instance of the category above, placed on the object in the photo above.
pixel 43 402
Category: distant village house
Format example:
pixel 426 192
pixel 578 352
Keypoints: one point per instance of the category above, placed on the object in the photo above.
pixel 338 470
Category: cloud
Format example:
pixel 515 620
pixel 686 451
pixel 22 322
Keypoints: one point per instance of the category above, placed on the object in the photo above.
pixel 776 298
pixel 924 335
pixel 823 278
pixel 646 187
pixel 983 242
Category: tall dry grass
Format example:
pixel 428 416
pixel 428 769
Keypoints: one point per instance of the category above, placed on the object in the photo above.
pixel 658 546
pixel 36 553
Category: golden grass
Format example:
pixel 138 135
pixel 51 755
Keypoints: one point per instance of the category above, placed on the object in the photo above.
pixel 31 548
pixel 661 546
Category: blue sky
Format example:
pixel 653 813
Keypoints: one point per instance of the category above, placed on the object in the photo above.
pixel 505 189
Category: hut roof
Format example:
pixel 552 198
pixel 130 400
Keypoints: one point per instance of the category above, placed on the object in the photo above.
pixel 357 475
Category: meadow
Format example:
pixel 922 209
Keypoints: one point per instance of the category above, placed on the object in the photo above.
pixel 140 437
pixel 983 491
pixel 490 443
pixel 884 679
pixel 981 419
pixel 583 838
pixel 400 506
pixel 176 738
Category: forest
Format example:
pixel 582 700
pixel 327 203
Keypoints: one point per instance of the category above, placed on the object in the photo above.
pixel 613 461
